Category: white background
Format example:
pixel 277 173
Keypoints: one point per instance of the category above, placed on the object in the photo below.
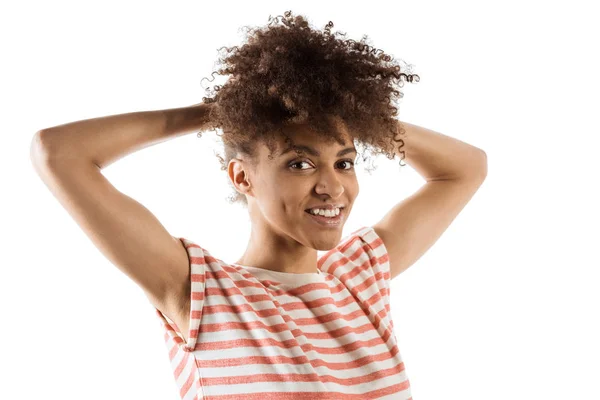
pixel 504 305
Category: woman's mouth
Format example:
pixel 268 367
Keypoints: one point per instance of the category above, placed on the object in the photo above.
pixel 328 222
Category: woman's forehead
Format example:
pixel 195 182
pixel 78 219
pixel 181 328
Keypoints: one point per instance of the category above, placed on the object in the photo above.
pixel 312 145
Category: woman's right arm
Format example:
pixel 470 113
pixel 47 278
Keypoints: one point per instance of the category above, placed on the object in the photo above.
pixel 105 140
pixel 68 161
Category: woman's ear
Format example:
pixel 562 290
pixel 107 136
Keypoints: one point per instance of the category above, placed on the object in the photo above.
pixel 239 176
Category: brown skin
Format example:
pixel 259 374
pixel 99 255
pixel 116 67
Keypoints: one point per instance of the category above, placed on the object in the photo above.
pixel 279 190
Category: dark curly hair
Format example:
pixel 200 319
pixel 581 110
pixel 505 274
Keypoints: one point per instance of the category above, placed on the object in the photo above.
pixel 289 73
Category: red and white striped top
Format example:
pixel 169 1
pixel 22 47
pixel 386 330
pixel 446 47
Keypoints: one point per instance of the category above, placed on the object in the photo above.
pixel 273 335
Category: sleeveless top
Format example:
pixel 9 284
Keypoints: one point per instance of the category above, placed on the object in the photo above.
pixel 269 335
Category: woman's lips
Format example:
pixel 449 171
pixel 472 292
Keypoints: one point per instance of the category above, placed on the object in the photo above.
pixel 332 222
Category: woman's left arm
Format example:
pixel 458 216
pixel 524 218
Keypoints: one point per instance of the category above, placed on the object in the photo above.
pixel 454 171
pixel 439 157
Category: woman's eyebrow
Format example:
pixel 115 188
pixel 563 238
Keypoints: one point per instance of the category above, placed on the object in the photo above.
pixel 314 152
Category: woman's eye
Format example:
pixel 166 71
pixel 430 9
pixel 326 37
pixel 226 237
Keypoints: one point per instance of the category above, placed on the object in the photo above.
pixel 348 162
pixel 291 165
pixel 298 162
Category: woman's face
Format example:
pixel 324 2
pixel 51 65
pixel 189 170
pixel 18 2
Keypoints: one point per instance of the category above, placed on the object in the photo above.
pixel 283 188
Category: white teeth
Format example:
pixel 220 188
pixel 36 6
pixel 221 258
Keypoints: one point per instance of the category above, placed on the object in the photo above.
pixel 325 213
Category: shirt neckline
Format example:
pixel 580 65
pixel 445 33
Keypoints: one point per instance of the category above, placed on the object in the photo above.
pixel 288 278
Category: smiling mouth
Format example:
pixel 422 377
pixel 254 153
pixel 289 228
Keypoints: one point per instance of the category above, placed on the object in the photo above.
pixel 331 222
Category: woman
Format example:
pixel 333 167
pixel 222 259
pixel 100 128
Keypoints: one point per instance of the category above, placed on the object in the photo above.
pixel 279 322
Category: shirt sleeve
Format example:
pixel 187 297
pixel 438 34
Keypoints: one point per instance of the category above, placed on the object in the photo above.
pixel 379 260
pixel 361 263
pixel 197 267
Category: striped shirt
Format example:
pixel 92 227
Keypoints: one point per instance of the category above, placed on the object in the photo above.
pixel 269 335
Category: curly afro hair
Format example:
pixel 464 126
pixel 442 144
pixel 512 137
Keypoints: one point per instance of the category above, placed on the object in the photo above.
pixel 289 73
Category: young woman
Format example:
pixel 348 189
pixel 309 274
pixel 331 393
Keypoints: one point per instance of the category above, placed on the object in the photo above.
pixel 279 322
